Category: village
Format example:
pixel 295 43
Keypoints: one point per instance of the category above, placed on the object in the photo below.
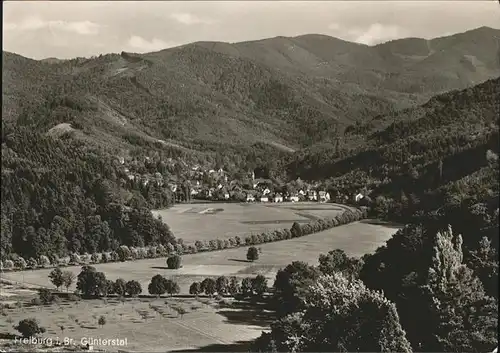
pixel 190 183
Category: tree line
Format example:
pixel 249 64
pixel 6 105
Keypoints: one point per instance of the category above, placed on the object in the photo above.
pixel 178 247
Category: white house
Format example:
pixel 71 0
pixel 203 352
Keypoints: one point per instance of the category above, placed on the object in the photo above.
pixel 264 199
pixel 294 198
pixel 301 192
pixel 324 196
pixel 358 197
pixel 194 192
pixel 226 196
pixel 312 195
pixel 250 198
pixel 278 198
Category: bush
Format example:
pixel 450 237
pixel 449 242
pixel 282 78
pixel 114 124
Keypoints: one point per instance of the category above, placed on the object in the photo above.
pixel 29 327
pixel 174 262
pixel 44 261
pixel 252 253
pixel 8 264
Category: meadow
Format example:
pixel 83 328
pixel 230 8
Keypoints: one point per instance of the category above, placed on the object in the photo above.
pixel 356 239
pixel 151 324
pixel 148 324
pixel 209 221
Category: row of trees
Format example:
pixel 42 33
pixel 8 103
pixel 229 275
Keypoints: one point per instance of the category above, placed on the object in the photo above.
pixel 178 247
pixel 248 287
pixel 91 283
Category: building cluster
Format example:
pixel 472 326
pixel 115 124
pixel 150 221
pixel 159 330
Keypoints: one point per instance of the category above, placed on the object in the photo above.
pixel 202 183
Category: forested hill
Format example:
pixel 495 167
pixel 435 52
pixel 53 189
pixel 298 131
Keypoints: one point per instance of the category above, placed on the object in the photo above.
pixel 64 122
pixel 294 92
pixel 437 155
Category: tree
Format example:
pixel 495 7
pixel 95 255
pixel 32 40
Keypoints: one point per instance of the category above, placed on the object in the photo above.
pixel 120 287
pixel 195 289
pixel 339 314
pixel 44 261
pixel 45 296
pixel 462 318
pixel 123 253
pixel 259 285
pixel 246 287
pixel 102 321
pixel 172 287
pixel 252 253
pixel 90 282
pixel 221 285
pixel 108 287
pixel 290 285
pixel 21 263
pixel 56 277
pixel 209 286
pixel 158 285
pixel 181 311
pixel 337 261
pixel 32 263
pixel 234 286
pixel 484 262
pixel 68 279
pixel 94 258
pixel 133 288
pixel 296 230
pixel 174 262
pixel 29 327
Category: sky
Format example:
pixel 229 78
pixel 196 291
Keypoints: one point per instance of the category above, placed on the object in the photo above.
pixel 68 29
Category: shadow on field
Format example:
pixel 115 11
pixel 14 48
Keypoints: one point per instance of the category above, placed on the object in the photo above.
pixel 377 222
pixel 247 313
pixel 240 346
pixel 240 260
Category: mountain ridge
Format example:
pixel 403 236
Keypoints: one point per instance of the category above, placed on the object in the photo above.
pixel 291 91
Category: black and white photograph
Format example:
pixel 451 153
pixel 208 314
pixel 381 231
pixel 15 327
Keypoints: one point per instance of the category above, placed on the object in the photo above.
pixel 250 176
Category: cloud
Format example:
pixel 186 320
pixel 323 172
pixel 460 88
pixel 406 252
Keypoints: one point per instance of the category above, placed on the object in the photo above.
pixel 189 19
pixel 334 26
pixel 143 45
pixel 36 23
pixel 378 33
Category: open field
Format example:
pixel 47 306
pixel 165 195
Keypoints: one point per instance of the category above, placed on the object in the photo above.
pixel 149 325
pixel 208 221
pixel 356 239
pixel 150 329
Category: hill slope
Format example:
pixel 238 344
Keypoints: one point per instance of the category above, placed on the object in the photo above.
pixel 291 92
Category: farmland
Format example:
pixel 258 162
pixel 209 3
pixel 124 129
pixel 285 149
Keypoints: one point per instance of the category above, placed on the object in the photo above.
pixel 151 324
pixel 148 324
pixel 209 221
pixel 355 239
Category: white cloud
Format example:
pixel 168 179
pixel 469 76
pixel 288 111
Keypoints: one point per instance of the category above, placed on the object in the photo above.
pixel 143 45
pixel 334 26
pixel 189 19
pixel 378 33
pixel 35 23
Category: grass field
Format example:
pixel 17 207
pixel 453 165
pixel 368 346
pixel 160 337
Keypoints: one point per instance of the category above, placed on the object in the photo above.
pixel 149 325
pixel 193 222
pixel 356 239
pixel 204 325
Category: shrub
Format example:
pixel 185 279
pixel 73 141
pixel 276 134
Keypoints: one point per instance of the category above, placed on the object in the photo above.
pixel 29 327
pixel 174 262
pixel 252 254
pixel 44 261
